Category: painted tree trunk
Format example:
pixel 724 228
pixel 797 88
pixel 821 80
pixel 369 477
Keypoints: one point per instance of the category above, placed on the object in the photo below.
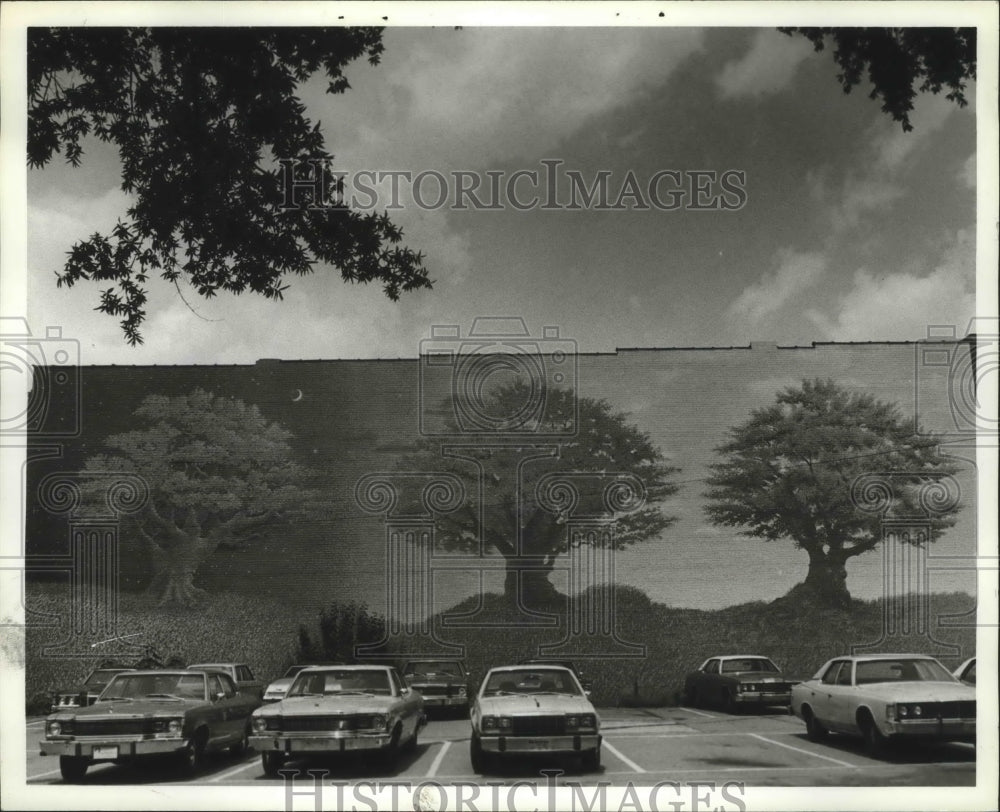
pixel 176 567
pixel 527 583
pixel 826 580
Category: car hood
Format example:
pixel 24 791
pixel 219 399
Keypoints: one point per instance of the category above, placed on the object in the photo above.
pixel 534 705
pixel 327 705
pixel 436 679
pixel 758 676
pixel 135 709
pixel 918 691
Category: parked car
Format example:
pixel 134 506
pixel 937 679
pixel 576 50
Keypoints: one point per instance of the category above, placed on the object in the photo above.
pixel 966 672
pixel 179 713
pixel 734 681
pixel 533 709
pixel 276 690
pixel 565 664
pixel 240 673
pixel 333 709
pixel 85 694
pixel 886 697
pixel 442 683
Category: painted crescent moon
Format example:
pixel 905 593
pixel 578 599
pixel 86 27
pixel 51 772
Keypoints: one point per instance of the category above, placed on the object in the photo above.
pixel 298 396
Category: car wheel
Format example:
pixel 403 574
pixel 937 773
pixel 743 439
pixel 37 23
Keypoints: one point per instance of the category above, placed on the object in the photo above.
pixel 814 730
pixel 192 757
pixel 392 748
pixel 875 742
pixel 73 768
pixel 592 760
pixel 480 762
pixel 241 747
pixel 272 762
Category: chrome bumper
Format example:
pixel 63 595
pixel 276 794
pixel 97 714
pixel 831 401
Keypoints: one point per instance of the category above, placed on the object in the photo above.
pixel 110 749
pixel 540 744
pixel 332 742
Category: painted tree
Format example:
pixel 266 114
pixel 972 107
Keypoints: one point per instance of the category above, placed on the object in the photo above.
pixel 218 475
pixel 502 504
pixel 900 62
pixel 788 473
pixel 201 119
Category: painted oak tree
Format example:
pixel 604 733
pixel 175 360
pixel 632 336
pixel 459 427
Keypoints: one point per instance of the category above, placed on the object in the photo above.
pixel 900 62
pixel 218 475
pixel 201 118
pixel 788 474
pixel 501 504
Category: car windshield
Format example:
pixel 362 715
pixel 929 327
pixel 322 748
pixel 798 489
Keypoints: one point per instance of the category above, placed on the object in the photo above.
pixel 98 679
pixel 901 670
pixel 748 664
pixel 155 686
pixel 341 681
pixel 531 681
pixel 295 669
pixel 436 668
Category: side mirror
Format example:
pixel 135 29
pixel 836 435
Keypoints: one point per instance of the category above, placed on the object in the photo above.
pixel 218 696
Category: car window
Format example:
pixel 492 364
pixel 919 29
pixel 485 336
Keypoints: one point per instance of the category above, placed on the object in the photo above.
pixel 397 683
pixel 902 670
pixel 970 673
pixel 215 685
pixel 244 674
pixel 748 664
pixel 712 667
pixel 830 677
pixel 342 681
pixel 228 686
pixel 531 681
pixel 844 675
pixel 437 668
pixel 191 686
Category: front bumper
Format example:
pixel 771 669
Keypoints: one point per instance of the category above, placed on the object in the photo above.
pixel 541 744
pixel 110 749
pixel 943 730
pixel 763 698
pixel 444 701
pixel 331 742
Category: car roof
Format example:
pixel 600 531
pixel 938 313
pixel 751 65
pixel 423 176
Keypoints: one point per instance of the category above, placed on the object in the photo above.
pixel 173 672
pixel 214 665
pixel 530 667
pixel 904 656
pixel 346 667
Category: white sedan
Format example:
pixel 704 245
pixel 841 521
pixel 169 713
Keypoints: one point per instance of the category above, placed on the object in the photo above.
pixel 885 697
pixel 533 710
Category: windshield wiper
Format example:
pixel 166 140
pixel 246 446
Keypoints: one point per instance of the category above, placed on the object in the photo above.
pixel 162 696
pixel 117 699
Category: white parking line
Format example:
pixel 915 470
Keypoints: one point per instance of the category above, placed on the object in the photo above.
pixel 700 713
pixel 622 757
pixel 42 775
pixel 800 750
pixel 437 760
pixel 242 767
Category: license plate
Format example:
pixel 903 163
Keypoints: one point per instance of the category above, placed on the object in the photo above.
pixel 538 744
pixel 105 752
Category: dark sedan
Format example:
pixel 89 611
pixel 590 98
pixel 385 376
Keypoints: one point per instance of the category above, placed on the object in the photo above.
pixel 738 680
pixel 179 713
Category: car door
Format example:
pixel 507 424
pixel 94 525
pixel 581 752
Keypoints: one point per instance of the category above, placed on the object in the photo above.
pixel 227 720
pixel 843 698
pixel 708 682
pixel 821 693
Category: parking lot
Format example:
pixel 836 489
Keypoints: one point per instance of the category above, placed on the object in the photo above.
pixel 640 745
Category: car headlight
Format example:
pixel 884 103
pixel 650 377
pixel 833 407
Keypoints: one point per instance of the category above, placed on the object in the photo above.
pixel 53 729
pixel 572 722
pixel 903 711
pixel 461 690
pixel 174 727
pixel 379 722
pixel 917 710
pixel 259 724
pixel 489 723
pixel 588 720
pixel 506 723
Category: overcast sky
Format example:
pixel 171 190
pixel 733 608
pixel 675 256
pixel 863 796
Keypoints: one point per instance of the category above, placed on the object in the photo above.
pixel 851 230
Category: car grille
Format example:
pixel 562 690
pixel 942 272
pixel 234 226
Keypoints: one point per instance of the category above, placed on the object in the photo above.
pixel 434 690
pixel 538 725
pixel 112 727
pixel 952 710
pixel 306 724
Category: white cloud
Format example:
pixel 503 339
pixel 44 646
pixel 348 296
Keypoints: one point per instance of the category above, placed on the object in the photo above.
pixel 769 65
pixel 900 306
pixel 795 272
pixel 860 197
pixel 967 175
pixel 893 145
